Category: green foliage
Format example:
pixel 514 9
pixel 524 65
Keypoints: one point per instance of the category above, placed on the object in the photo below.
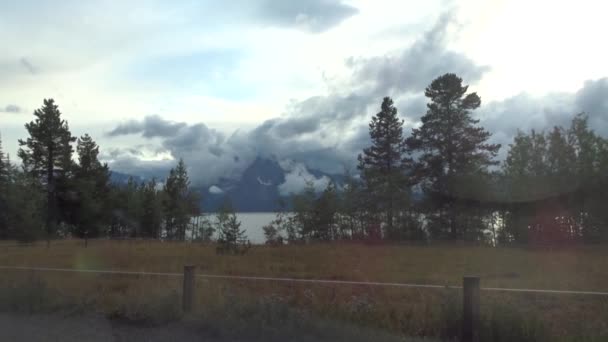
pixel 179 202
pixel 231 239
pixel 454 153
pixel 47 155
pixel 554 185
pixel 91 185
pixel 203 228
pixel 151 213
pixel 126 209
pixel 283 228
pixel 385 166
pixel 25 204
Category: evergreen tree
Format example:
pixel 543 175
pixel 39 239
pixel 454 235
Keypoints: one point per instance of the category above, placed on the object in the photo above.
pixel 325 212
pixel 126 209
pixel 179 204
pixel 592 179
pixel 304 217
pixel 385 166
pixel 151 219
pixel 47 155
pixel 92 186
pixel 453 152
pixel 554 186
pixel 203 228
pixel 25 203
pixel 231 239
pixel 351 208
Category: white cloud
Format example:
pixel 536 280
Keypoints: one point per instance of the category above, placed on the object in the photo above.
pixel 85 56
pixel 215 190
pixel 297 178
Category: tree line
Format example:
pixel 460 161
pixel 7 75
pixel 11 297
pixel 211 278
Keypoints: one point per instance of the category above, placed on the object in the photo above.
pixel 443 182
pixel 52 194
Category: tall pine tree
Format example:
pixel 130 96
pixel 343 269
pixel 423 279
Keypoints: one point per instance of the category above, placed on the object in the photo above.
pixel 385 166
pixel 151 219
pixel 47 155
pixel 180 203
pixel 453 153
pixel 92 185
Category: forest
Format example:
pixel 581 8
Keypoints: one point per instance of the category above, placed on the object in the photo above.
pixel 440 181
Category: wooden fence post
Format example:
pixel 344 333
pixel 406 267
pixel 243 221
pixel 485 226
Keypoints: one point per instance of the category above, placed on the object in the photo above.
pixel 470 319
pixel 188 292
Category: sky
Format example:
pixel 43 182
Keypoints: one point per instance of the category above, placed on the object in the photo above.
pixel 221 83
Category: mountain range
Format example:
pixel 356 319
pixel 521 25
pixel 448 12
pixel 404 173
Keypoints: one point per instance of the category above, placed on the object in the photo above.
pixel 259 189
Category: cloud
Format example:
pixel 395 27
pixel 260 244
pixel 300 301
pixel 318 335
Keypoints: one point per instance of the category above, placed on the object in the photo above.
pixel 297 177
pixel 32 69
pixel 525 112
pixel 322 132
pixel 411 70
pixel 310 15
pixel 126 162
pixel 11 108
pixel 593 100
pixel 215 190
pixel 151 126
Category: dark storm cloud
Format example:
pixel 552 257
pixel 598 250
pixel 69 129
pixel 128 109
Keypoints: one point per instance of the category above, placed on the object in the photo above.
pixel 11 108
pixel 195 137
pixel 318 113
pixel 150 127
pixel 312 15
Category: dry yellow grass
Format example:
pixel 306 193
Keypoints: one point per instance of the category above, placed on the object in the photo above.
pixel 411 311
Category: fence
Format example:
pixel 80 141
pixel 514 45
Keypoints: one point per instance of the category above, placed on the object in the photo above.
pixel 470 286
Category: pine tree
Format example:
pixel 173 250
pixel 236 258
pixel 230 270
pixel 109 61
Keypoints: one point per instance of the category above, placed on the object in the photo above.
pixel 453 150
pixel 92 186
pixel 303 217
pixel 325 212
pixel 350 208
pixel 47 154
pixel 151 219
pixel 231 239
pixel 179 204
pixel 126 209
pixel 25 207
pixel 592 181
pixel 385 166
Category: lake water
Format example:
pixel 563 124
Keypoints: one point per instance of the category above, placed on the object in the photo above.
pixel 252 223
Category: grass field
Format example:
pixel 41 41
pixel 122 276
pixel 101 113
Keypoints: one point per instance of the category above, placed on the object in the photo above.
pixel 411 312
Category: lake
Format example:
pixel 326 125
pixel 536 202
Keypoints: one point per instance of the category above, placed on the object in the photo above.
pixel 252 223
